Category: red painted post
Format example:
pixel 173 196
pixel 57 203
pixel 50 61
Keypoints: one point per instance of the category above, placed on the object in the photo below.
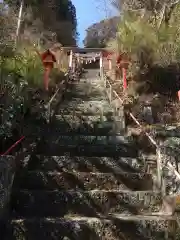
pixel 178 95
pixel 122 63
pixel 118 66
pixel 47 71
pixel 48 59
pixel 124 78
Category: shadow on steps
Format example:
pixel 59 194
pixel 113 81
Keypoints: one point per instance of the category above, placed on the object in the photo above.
pixel 77 228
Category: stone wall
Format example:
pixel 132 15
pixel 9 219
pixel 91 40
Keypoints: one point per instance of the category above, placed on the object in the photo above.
pixel 7 170
pixel 170 150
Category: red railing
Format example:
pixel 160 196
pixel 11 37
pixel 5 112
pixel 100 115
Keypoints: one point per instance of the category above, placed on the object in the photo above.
pixel 23 137
pixel 13 146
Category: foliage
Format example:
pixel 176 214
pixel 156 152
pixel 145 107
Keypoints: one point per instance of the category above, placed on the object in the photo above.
pixel 161 8
pixel 56 16
pixel 149 33
pixel 154 52
pixel 100 33
pixel 8 24
pixel 21 75
pixel 27 66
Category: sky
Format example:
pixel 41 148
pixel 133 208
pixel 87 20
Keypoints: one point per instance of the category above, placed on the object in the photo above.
pixel 89 12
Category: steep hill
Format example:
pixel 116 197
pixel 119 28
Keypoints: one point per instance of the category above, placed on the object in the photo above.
pixel 100 33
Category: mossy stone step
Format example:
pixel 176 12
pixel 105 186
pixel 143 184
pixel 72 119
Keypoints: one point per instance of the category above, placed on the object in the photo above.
pixel 87 119
pixel 85 112
pixel 86 94
pixel 87 107
pixel 25 203
pixel 50 147
pixel 83 180
pixel 84 164
pixel 91 140
pixel 114 227
pixel 79 129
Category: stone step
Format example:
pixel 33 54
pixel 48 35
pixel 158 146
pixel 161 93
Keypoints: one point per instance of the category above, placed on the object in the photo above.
pixel 171 146
pixel 165 131
pixel 68 130
pixel 94 119
pixel 65 109
pixel 82 85
pixel 85 122
pixel 91 105
pixel 83 180
pixel 161 132
pixel 93 140
pixel 80 126
pixel 99 150
pixel 114 227
pixel 88 88
pixel 87 82
pixel 86 94
pixel 85 112
pixel 90 97
pixel 97 122
pixel 95 79
pixel 25 203
pixel 84 164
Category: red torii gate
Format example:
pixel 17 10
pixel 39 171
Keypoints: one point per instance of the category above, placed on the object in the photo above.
pixel 122 62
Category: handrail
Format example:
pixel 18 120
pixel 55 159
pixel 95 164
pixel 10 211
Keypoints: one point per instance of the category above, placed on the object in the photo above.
pixel 50 101
pixel 13 146
pixel 158 148
pixel 23 137
pixel 52 98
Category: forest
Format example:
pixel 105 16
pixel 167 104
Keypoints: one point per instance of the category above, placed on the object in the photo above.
pixel 44 24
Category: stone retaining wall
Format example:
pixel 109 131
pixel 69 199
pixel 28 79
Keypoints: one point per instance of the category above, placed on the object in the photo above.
pixel 7 170
pixel 170 153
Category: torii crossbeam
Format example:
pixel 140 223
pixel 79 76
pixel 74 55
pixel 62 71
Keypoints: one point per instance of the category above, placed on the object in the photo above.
pixel 83 50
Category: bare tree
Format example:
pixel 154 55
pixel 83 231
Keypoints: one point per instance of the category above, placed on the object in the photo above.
pixel 159 10
pixel 106 7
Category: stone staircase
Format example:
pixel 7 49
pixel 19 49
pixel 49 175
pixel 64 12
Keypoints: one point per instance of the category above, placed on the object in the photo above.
pixel 86 180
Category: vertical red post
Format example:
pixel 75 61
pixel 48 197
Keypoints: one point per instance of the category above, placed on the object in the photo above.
pixel 179 95
pixel 48 59
pixel 124 73
pixel 118 66
pixel 47 71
